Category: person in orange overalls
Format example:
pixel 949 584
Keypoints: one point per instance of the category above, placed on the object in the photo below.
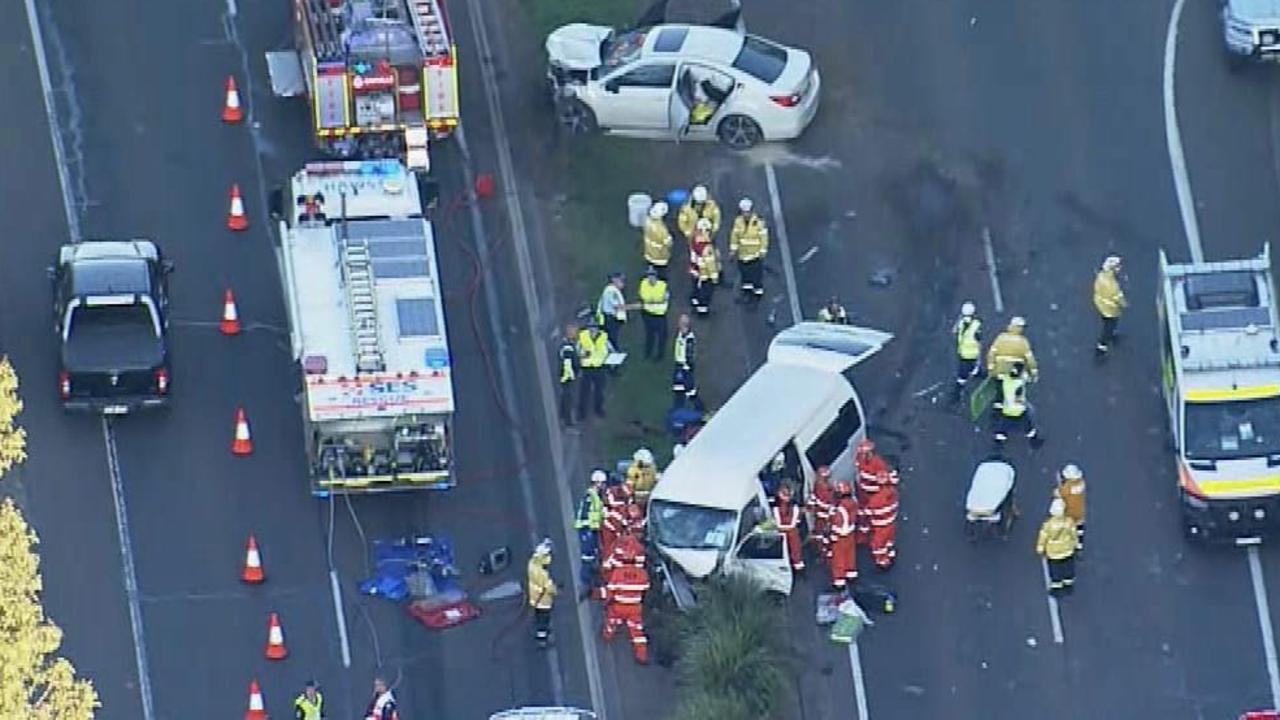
pixel 870 467
pixel 616 499
pixel 881 511
pixel 821 503
pixel 786 516
pixel 623 595
pixel 844 546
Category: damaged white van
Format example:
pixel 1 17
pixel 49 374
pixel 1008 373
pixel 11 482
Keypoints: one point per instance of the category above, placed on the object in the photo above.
pixel 708 511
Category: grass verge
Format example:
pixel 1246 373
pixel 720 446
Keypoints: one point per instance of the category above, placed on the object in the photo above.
pixel 547 15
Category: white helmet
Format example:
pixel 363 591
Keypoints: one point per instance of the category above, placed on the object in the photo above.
pixel 1072 472
pixel 967 309
pixel 745 204
pixel 699 193
pixel 599 477
pixel 643 456
pixel 1018 322
pixel 1058 507
pixel 543 548
pixel 677 449
pixel 1111 263
pixel 703 224
pixel 658 210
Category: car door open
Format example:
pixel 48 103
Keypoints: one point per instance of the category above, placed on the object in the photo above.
pixel 680 106
pixel 762 555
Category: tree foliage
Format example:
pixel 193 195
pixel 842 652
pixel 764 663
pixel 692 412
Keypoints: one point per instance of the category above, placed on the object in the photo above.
pixel 34 683
pixel 733 663
pixel 13 439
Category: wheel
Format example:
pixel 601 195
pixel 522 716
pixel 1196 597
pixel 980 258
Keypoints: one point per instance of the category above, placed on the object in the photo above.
pixel 575 117
pixel 739 132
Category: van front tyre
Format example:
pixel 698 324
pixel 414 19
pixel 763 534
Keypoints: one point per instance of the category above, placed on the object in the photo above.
pixel 739 132
pixel 575 117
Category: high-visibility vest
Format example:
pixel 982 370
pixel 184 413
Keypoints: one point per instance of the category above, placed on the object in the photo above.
pixel 684 348
pixel 590 511
pixel 654 296
pixel 1013 401
pixel 749 238
pixel 307 709
pixel 592 352
pixel 786 516
pixel 568 356
pixel 967 344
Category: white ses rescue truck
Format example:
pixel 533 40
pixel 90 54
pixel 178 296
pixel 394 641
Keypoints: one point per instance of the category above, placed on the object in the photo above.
pixel 1221 382
pixel 359 266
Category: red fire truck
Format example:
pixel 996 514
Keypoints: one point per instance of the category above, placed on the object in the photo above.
pixel 381 75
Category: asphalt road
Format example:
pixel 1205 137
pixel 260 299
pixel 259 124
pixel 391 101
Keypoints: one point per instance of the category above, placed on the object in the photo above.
pixel 140 90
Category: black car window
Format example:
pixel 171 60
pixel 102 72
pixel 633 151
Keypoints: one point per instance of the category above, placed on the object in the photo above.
pixel 835 439
pixel 110 277
pixel 761 59
pixel 655 75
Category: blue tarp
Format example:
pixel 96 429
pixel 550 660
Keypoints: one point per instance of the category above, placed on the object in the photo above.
pixel 395 560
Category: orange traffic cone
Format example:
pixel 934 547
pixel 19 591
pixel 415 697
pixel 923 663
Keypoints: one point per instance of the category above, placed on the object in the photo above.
pixel 252 572
pixel 275 639
pixel 236 219
pixel 230 324
pixel 242 444
pixel 257 709
pixel 231 112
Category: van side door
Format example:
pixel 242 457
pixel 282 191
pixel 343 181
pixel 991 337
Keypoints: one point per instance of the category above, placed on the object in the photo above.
pixel 761 551
pixel 834 444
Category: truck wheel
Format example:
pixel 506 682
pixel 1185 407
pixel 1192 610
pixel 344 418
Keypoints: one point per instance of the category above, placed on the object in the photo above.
pixel 575 117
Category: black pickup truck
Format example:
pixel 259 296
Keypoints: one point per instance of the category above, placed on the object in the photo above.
pixel 111 317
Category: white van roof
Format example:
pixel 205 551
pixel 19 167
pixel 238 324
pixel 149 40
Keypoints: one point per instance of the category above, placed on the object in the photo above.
pixel 787 395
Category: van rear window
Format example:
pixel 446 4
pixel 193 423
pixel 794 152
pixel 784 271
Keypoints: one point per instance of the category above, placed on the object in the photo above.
pixel 761 59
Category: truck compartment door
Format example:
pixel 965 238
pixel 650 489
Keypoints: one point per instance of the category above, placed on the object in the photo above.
pixel 284 67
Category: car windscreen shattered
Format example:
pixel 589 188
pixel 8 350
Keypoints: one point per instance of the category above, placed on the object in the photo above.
pixel 688 527
pixel 1233 429
pixel 112 337
pixel 622 49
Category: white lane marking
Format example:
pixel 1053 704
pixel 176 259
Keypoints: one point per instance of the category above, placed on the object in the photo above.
pixel 232 10
pixel 784 245
pixel 1177 158
pixel 989 250
pixel 859 689
pixel 1264 622
pixel 542 366
pixel 59 152
pixel 336 589
pixel 1054 618
pixel 130 573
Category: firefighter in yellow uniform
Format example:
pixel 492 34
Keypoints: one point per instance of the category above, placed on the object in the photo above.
pixel 1071 489
pixel 708 277
pixel 642 475
pixel 1108 300
pixel 1056 543
pixel 542 591
pixel 657 239
pixel 749 243
pixel 699 206
pixel 1011 346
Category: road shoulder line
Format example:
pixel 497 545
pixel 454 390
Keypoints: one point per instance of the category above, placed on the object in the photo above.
pixel 1173 137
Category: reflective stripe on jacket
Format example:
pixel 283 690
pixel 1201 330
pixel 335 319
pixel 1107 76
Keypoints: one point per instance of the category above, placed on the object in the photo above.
pixel 542 589
pixel 657 242
pixel 786 516
pixel 691 213
pixel 590 511
pixel 1013 393
pixel 685 348
pixel 627 585
pixel 1057 538
pixel 749 238
pixel 568 362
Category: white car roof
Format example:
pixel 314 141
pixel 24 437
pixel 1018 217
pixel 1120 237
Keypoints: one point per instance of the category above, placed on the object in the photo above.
pixel 701 42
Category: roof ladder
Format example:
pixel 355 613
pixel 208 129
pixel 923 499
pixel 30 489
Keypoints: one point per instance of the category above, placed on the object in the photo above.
pixel 362 305
pixel 428 21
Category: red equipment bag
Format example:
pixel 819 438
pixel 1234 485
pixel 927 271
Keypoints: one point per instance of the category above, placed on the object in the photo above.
pixel 443 616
